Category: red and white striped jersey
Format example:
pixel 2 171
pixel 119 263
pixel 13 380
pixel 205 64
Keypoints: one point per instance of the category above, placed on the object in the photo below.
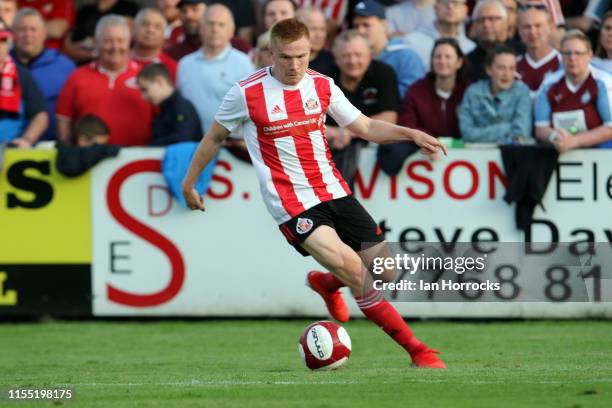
pixel 284 130
pixel 334 10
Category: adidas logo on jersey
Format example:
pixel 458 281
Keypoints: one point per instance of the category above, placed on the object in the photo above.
pixel 277 110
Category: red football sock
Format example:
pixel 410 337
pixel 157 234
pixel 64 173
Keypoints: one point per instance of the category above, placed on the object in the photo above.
pixel 330 282
pixel 381 312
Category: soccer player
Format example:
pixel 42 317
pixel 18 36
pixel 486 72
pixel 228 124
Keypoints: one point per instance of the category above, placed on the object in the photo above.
pixel 281 111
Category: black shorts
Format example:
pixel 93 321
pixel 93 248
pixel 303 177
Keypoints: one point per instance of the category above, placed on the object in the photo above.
pixel 346 215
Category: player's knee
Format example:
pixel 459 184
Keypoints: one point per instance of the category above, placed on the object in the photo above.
pixel 341 260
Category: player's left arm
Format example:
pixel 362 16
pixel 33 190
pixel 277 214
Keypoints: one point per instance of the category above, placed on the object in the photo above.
pixel 374 130
pixel 381 132
pixel 389 116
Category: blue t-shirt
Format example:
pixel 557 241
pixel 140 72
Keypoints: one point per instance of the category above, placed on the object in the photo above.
pixel 204 82
pixel 405 62
pixel 50 69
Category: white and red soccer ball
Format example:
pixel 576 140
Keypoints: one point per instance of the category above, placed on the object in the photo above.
pixel 324 346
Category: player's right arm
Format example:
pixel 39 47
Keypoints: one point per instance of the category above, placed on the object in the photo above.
pixel 231 114
pixel 206 151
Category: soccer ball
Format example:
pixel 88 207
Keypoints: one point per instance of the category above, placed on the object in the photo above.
pixel 324 346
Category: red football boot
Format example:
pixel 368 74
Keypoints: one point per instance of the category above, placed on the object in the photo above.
pixel 333 300
pixel 426 358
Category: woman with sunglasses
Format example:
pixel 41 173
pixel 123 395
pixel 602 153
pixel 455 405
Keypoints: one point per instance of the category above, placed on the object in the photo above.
pixel 553 8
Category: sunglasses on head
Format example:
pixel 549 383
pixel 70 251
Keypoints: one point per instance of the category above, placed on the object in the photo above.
pixel 527 6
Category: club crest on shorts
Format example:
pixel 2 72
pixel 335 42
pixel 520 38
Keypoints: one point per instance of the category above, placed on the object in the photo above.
pixel 303 225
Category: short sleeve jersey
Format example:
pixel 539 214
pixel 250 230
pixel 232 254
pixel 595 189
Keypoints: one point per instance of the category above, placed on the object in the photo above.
pixel 377 91
pixel 532 72
pixel 588 105
pixel 284 129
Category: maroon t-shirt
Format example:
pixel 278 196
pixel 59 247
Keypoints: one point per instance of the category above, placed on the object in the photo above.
pixel 425 110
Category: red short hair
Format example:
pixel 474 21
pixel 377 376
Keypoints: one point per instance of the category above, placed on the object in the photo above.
pixel 289 30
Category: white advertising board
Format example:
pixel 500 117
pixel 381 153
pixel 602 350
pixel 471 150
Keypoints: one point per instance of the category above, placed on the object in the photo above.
pixel 151 257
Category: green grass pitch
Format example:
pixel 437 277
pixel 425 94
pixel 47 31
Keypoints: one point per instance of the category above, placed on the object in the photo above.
pixel 236 363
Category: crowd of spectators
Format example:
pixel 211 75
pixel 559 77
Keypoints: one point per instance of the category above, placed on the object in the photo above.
pixel 154 72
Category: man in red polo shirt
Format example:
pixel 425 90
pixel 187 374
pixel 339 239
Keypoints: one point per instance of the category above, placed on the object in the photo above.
pixel 107 88
pixel 149 27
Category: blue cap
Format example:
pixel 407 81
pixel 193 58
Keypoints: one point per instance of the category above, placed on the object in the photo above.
pixel 369 8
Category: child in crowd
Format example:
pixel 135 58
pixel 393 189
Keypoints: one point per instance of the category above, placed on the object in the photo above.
pixel 178 120
pixel 90 130
pixel 90 137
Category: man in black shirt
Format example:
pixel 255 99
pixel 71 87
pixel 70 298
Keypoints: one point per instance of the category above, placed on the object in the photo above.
pixel 244 17
pixel 490 19
pixel 321 60
pixel 369 85
pixel 79 43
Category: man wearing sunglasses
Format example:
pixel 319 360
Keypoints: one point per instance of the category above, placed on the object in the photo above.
pixel 490 20
pixel 536 30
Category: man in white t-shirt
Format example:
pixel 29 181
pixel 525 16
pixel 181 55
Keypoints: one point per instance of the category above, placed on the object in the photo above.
pixel 450 18
pixel 281 111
